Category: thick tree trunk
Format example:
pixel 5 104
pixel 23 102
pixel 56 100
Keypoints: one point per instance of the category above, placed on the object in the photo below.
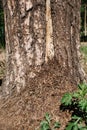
pixel 39 31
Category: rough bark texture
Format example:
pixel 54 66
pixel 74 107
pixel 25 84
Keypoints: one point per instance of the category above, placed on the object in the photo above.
pixel 66 19
pixel 25 37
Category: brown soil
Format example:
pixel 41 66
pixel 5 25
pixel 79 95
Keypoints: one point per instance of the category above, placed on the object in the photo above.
pixel 43 93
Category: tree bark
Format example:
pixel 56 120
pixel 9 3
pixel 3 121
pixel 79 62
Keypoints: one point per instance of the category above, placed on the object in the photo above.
pixel 39 32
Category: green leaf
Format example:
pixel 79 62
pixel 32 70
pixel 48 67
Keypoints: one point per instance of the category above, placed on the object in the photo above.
pixel 70 126
pixel 82 91
pixel 76 95
pixel 67 99
pixel 82 128
pixel 56 125
pixel 76 117
pixel 82 86
pixel 48 118
pixel 75 127
pixel 83 105
pixel 44 125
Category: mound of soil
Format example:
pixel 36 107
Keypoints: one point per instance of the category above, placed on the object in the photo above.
pixel 43 93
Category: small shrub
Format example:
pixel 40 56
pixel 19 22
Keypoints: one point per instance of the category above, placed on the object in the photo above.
pixel 48 123
pixel 77 102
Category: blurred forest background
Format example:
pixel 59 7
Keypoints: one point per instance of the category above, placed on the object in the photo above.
pixel 83 30
pixel 2 31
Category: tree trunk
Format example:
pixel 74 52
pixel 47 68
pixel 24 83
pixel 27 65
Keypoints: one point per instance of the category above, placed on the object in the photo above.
pixel 40 34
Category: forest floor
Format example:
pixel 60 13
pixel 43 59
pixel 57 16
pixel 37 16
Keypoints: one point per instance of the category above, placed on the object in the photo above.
pixel 26 110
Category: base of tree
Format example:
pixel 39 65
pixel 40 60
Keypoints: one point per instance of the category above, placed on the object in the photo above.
pixel 42 94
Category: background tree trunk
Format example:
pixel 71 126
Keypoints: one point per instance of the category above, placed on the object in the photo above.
pixel 41 33
pixel 85 23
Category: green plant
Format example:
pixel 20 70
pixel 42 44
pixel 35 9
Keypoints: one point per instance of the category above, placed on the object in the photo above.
pixel 48 123
pixel 76 123
pixel 77 102
pixel 83 50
